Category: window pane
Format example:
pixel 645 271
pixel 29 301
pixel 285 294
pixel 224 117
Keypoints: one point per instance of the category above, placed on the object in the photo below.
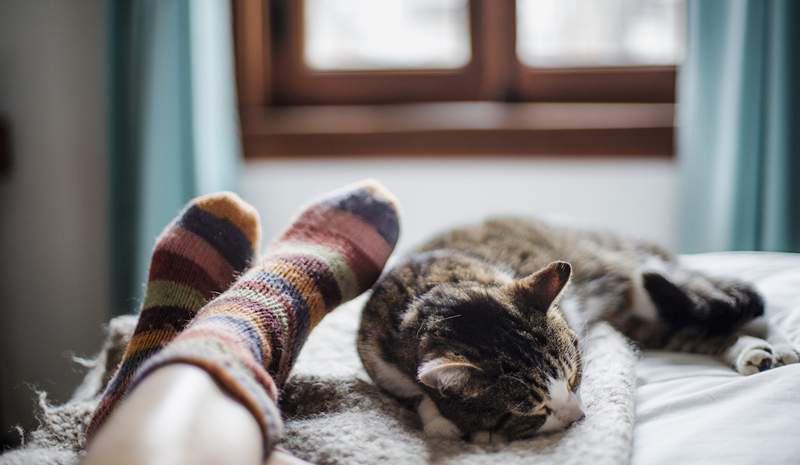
pixel 386 34
pixel 556 33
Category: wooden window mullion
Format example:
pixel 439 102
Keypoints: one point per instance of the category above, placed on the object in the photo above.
pixel 494 44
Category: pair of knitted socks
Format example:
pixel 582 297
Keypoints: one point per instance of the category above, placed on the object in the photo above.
pixel 209 303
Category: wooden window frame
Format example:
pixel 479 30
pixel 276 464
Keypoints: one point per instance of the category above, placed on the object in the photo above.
pixel 288 109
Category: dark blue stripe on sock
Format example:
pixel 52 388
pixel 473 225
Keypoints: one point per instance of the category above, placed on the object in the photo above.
pixel 318 271
pixel 164 317
pixel 242 326
pixel 377 212
pixel 301 312
pixel 223 235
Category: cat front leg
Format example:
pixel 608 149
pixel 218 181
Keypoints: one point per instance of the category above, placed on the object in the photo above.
pixel 433 423
pixel 487 437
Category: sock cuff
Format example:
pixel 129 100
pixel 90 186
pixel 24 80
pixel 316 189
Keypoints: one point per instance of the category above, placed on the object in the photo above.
pixel 232 368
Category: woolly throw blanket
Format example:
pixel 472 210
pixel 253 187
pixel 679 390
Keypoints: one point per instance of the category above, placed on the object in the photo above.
pixel 335 415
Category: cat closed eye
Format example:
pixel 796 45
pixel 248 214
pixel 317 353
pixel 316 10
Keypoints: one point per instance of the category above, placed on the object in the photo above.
pixel 543 410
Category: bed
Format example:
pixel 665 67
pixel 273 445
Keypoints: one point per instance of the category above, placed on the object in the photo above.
pixel 647 409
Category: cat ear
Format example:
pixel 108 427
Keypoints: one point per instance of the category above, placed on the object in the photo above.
pixel 539 290
pixel 443 373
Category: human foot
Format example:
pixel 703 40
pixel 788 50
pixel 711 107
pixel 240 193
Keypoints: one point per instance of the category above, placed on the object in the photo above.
pixel 195 258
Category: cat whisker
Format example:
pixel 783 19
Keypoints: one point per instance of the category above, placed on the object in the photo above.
pixel 517 380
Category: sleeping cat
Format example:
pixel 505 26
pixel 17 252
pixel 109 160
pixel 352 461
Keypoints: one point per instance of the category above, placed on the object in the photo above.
pixel 480 327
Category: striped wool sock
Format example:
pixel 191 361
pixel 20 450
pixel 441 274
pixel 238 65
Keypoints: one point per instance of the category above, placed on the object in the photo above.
pixel 248 337
pixel 197 257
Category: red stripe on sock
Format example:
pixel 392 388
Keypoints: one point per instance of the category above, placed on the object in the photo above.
pixel 169 266
pixel 348 225
pixel 184 242
pixel 365 270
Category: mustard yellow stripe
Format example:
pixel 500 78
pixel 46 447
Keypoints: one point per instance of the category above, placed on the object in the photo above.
pixel 306 286
pixel 171 294
pixel 148 340
pixel 348 284
pixel 229 206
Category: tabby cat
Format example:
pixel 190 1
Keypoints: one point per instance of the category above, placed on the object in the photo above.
pixel 480 327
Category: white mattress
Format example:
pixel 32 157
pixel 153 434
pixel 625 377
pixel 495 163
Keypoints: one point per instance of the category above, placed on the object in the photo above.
pixel 693 409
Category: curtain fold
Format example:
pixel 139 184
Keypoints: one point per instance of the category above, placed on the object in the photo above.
pixel 173 123
pixel 739 120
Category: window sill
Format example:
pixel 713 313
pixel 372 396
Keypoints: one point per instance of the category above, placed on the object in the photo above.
pixel 461 128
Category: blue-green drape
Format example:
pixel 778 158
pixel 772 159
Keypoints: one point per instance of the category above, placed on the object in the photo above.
pixel 739 120
pixel 173 128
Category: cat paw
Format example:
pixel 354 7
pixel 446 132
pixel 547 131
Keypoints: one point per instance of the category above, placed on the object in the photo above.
pixel 441 427
pixel 487 437
pixel 784 354
pixel 756 356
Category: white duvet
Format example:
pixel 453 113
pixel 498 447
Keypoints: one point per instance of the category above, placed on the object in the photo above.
pixel 693 409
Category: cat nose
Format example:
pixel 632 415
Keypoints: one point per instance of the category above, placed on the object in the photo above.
pixel 574 415
pixel 577 409
pixel 575 412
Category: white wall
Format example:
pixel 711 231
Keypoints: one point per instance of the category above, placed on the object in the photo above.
pixel 52 220
pixel 636 197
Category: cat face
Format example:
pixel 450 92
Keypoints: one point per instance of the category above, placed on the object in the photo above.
pixel 501 359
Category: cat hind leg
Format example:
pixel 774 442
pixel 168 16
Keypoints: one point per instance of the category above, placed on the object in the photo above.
pixel 750 355
pixel 687 298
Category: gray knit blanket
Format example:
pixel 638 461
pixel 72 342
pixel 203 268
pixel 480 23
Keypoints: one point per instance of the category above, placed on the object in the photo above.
pixel 335 415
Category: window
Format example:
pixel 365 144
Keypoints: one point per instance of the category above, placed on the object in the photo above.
pixel 563 33
pixel 458 76
pixel 385 34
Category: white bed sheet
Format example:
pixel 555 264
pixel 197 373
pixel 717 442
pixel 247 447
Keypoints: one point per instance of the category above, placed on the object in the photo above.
pixel 693 409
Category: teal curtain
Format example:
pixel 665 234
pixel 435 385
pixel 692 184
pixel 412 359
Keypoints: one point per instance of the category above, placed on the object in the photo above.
pixel 739 120
pixel 172 121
